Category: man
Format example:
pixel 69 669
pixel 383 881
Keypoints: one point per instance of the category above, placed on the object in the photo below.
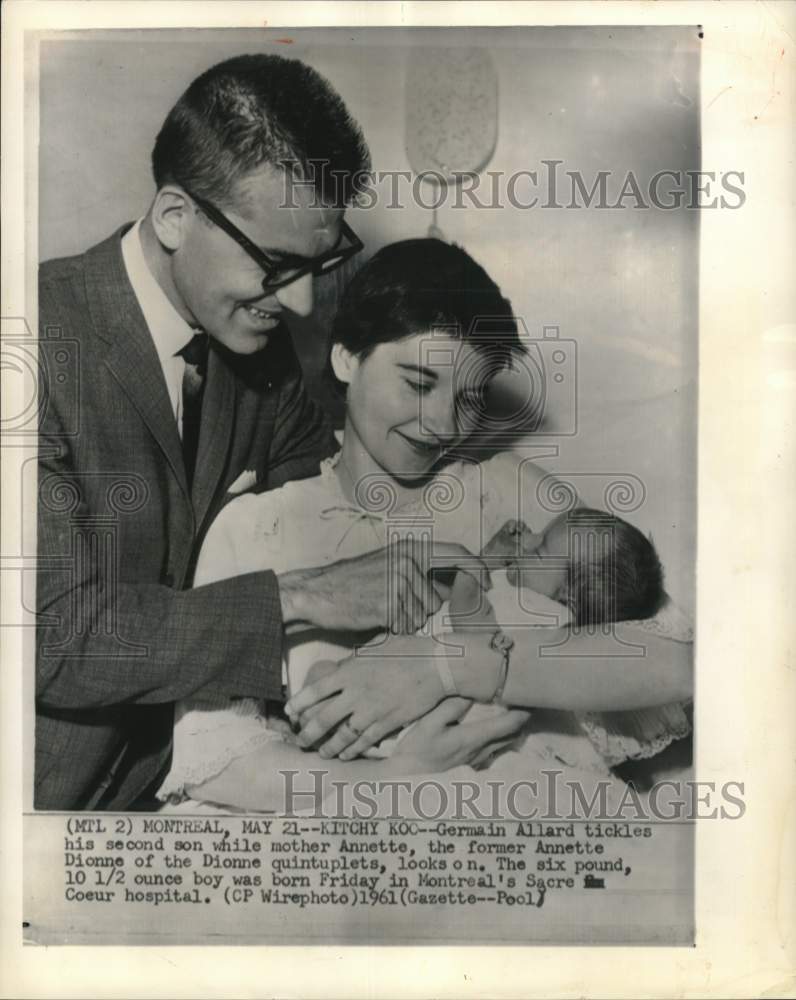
pixel 182 390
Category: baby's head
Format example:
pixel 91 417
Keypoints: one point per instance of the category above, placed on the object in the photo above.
pixel 421 331
pixel 599 566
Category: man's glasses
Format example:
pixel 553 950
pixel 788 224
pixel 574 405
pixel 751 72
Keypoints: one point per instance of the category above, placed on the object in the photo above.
pixel 291 267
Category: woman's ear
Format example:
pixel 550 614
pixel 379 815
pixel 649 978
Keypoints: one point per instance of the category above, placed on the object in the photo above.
pixel 344 363
pixel 170 211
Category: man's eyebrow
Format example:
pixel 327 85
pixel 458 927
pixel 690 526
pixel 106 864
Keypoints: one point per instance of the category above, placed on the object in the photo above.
pixel 281 255
pixel 419 370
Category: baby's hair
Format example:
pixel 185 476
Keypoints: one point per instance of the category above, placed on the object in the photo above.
pixel 414 286
pixel 613 583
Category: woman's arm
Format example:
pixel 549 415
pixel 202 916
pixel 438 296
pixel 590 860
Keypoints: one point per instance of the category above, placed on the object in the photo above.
pixel 560 668
pixel 399 682
pixel 592 672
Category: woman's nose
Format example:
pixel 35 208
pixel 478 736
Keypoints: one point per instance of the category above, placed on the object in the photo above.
pixel 297 296
pixel 438 418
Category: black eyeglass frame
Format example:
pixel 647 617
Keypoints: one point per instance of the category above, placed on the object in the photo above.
pixel 297 265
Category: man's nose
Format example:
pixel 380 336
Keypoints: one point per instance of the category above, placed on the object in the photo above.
pixel 297 296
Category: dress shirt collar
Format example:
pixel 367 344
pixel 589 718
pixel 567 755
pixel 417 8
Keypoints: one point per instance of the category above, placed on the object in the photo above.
pixel 168 329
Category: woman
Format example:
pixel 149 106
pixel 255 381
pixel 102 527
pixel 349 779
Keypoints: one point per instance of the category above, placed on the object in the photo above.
pixel 421 331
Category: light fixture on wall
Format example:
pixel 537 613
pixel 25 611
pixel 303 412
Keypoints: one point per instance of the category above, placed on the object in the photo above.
pixel 451 117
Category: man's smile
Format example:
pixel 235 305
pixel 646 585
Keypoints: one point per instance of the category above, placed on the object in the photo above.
pixel 263 319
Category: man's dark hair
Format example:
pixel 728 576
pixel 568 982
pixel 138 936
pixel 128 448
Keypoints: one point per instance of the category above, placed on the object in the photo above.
pixel 261 109
pixel 416 286
pixel 612 583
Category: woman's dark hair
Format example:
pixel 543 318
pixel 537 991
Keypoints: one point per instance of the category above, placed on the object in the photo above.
pixel 417 286
pixel 261 109
pixel 614 574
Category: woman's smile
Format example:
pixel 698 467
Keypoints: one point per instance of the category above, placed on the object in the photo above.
pixel 426 446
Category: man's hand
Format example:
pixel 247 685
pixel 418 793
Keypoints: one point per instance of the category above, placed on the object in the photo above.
pixel 375 694
pixel 388 588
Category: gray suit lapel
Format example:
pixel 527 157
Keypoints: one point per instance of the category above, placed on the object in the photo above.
pixel 131 356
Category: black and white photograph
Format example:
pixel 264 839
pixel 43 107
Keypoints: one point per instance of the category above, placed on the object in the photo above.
pixel 365 484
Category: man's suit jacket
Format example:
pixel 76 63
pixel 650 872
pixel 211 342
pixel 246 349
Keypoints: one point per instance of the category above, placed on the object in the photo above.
pixel 120 635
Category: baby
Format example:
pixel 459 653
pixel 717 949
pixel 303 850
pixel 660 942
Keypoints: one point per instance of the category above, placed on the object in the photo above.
pixel 588 567
pixel 598 566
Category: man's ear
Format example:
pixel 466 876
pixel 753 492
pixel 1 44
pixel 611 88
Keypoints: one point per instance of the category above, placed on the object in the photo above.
pixel 170 215
pixel 344 363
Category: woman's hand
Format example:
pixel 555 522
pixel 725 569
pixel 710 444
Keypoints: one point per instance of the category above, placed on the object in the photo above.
pixel 375 694
pixel 435 743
